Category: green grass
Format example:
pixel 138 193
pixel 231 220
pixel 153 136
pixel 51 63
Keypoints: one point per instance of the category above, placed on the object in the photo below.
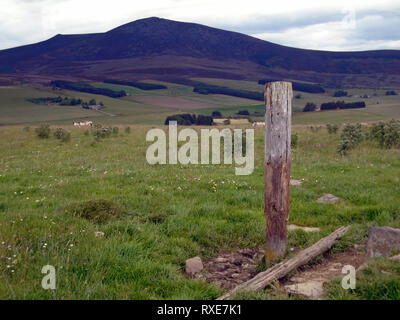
pixel 368 114
pixel 378 281
pixel 171 212
pixel 16 110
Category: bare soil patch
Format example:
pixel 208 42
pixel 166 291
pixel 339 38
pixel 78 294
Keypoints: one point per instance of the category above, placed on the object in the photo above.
pixel 230 269
pixel 309 279
pixel 329 267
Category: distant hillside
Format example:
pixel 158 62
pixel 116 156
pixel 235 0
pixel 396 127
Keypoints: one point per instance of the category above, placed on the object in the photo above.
pixel 164 49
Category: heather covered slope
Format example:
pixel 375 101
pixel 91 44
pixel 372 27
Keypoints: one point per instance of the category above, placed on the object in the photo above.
pixel 161 47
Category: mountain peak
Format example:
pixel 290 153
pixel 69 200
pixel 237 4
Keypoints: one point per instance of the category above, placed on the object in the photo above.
pixel 141 23
pixel 188 50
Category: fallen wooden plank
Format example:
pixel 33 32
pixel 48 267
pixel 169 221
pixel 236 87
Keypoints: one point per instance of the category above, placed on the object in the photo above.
pixel 261 280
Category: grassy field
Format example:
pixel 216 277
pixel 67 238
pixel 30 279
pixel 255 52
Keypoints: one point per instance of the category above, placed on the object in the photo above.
pixel 15 109
pixel 174 212
pixel 152 107
pixel 368 114
pixel 379 107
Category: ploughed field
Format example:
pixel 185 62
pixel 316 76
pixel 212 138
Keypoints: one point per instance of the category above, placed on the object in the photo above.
pixel 57 197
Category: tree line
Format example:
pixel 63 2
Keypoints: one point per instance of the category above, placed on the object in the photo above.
pixel 203 88
pixel 334 105
pixel 187 119
pixel 85 87
pixel 139 85
pixel 299 86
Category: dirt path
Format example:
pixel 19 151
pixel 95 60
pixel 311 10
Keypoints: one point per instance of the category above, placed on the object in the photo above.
pixel 230 269
pixel 309 279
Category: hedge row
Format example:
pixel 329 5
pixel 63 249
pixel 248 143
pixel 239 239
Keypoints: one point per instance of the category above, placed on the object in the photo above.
pixel 203 88
pixel 139 85
pixel 299 86
pixel 187 119
pixel 342 105
pixel 85 87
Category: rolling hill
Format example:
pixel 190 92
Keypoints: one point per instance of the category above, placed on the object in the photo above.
pixel 161 49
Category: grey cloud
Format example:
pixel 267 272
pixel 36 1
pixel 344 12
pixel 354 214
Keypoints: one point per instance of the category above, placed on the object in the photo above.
pixel 276 23
pixel 373 27
pixel 379 26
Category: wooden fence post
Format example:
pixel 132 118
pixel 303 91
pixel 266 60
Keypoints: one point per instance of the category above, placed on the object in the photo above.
pixel 278 111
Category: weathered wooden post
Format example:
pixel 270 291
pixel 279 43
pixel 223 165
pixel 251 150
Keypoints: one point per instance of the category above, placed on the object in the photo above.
pixel 278 111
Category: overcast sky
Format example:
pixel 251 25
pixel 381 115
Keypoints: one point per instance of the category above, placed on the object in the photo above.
pixel 324 25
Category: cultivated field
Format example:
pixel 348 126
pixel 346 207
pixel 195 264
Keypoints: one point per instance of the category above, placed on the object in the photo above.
pixel 169 213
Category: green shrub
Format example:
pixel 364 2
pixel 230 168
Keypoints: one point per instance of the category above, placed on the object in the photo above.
pixel 204 120
pixel 62 135
pixel 43 131
pixel 185 119
pixel 332 128
pixel 310 107
pixel 115 130
pixel 102 132
pixel 294 140
pixel 216 114
pixel 98 211
pixel 351 137
pixel 128 129
pixel 315 129
pixel 86 132
pixel 387 134
pixel 27 129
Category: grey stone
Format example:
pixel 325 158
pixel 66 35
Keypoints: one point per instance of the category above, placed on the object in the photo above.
pixel 382 241
pixel 294 182
pixel 309 289
pixel 328 198
pixel 194 265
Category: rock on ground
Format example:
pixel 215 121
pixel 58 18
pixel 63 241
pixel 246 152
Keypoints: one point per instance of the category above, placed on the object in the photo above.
pixel 328 198
pixel 308 280
pixel 382 241
pixel 230 269
pixel 99 234
pixel 194 265
pixel 306 229
pixel 310 289
pixel 397 257
pixel 294 182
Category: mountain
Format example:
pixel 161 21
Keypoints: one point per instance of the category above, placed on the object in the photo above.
pixel 164 49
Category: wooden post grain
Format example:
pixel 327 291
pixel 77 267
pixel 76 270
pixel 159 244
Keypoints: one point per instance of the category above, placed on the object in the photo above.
pixel 278 104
